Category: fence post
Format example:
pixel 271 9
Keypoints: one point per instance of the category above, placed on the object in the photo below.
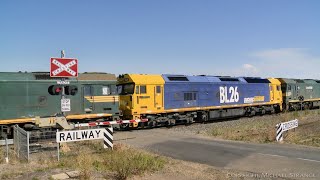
pixel 18 142
pixel 28 146
pixel 7 150
pixel 58 147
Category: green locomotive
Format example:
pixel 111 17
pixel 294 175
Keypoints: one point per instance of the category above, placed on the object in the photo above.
pixel 34 100
pixel 300 94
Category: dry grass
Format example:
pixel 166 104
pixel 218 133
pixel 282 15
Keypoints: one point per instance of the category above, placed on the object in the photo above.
pixel 262 129
pixel 126 162
pixel 2 155
pixel 120 163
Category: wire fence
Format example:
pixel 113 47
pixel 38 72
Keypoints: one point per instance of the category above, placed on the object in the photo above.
pixel 34 144
pixel 21 143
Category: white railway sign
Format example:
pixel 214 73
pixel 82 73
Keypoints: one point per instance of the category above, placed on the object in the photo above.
pixel 79 135
pixel 289 125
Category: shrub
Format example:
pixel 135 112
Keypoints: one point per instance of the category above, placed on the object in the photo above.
pixel 126 162
pixel 84 164
pixel 2 156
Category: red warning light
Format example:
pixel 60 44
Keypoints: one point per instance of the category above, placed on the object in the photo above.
pixel 58 89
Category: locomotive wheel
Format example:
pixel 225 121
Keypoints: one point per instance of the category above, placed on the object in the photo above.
pixel 172 122
pixel 152 124
pixel 124 126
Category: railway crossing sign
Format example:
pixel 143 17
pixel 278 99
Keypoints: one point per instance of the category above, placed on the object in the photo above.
pixel 88 134
pixel 290 125
pixel 285 126
pixel 79 135
pixel 63 67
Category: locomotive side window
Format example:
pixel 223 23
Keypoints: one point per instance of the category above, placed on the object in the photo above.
pixel 289 88
pixel 158 89
pixel 143 89
pixel 278 88
pixel 125 89
pixel 106 90
pixel 137 89
pixel 119 89
pixel 88 90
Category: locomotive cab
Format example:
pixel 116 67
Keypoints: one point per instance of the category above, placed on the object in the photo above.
pixel 140 95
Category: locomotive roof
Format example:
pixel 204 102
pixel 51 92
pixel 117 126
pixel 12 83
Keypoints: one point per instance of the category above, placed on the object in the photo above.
pixel 29 76
pixel 294 81
pixel 141 78
pixel 218 79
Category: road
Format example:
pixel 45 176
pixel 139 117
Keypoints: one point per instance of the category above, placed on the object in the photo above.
pixel 278 160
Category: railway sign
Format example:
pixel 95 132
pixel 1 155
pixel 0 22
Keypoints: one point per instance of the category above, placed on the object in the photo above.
pixel 289 125
pixel 65 105
pixel 63 67
pixel 285 126
pixel 79 135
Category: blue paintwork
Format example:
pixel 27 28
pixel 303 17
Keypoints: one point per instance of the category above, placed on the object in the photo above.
pixel 207 90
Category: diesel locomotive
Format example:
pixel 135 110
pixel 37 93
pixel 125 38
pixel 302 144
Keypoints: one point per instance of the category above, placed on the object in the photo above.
pixel 34 100
pixel 172 99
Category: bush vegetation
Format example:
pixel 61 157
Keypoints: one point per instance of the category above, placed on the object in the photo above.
pixel 126 162
pixel 2 156
pixel 120 163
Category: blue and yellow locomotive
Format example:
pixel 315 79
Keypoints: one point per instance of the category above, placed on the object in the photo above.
pixel 170 99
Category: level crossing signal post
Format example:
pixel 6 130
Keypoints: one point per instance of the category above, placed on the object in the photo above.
pixel 63 88
pixel 64 67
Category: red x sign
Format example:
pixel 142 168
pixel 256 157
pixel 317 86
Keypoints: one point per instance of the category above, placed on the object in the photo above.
pixel 63 67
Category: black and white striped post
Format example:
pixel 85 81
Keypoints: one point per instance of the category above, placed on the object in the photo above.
pixel 108 138
pixel 285 126
pixel 279 136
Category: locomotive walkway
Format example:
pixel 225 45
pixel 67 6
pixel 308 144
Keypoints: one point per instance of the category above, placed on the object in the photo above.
pixel 260 160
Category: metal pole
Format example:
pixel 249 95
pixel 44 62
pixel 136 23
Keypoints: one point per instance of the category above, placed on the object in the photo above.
pixel 18 144
pixel 63 88
pixel 7 149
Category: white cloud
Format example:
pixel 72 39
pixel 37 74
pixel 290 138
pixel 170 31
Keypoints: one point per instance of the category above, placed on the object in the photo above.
pixel 274 54
pixel 286 62
pixel 249 68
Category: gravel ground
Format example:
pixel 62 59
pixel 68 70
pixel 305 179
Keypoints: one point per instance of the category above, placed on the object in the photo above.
pixel 204 128
pixel 260 129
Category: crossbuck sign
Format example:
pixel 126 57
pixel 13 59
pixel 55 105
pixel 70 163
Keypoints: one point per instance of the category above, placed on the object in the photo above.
pixel 63 67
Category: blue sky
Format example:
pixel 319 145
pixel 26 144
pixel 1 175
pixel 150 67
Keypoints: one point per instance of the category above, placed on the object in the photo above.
pixel 239 38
